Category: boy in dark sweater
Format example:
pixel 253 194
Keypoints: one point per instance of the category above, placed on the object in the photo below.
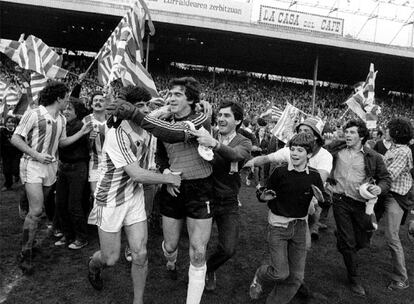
pixel 289 192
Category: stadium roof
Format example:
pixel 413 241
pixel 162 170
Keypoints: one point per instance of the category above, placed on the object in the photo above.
pixel 230 44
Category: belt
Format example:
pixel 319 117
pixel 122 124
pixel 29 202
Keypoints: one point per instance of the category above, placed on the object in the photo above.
pixel 340 196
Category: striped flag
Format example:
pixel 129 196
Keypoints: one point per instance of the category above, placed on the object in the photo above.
pixel 37 83
pixel 362 102
pixel 276 113
pixel 33 54
pixel 130 51
pixel 285 127
pixel 3 87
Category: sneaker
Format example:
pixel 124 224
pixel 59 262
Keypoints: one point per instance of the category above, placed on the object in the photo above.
pixel 210 281
pixel 398 285
pixel 95 278
pixel 172 271
pixel 78 244
pixel 57 233
pixel 24 260
pixel 61 241
pixel 255 289
pixel 128 254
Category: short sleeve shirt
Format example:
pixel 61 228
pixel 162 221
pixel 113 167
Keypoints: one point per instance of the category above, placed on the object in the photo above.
pixel 41 131
pixel 122 147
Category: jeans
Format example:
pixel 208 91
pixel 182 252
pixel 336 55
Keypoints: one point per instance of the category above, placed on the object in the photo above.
pixel 287 248
pixel 71 180
pixel 351 222
pixel 226 214
pixel 393 215
pixel 10 169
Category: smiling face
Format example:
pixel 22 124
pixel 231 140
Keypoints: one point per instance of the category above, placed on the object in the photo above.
pixel 179 104
pixel 99 103
pixel 352 138
pixel 10 125
pixel 226 122
pixel 299 156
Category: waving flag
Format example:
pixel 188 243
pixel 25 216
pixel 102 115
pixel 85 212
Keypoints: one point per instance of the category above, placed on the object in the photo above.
pixel 285 127
pixel 129 50
pixel 37 83
pixel 33 54
pixel 362 102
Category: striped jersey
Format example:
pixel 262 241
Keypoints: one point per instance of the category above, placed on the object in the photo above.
pixel 123 146
pixel 41 131
pixel 96 145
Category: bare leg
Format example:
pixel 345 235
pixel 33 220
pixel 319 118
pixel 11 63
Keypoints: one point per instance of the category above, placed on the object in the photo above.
pixel 199 231
pixel 137 238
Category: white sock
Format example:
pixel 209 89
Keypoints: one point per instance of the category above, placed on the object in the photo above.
pixel 171 257
pixel 196 282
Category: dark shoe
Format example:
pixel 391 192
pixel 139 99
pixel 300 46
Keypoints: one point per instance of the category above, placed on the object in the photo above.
pixel 24 260
pixel 95 277
pixel 357 289
pixel 78 244
pixel 210 281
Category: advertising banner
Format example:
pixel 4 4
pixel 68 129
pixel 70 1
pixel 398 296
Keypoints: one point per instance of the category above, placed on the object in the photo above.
pixel 293 19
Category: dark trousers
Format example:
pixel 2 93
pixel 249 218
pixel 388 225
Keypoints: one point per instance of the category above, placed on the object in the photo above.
pixel 226 214
pixel 10 169
pixel 351 233
pixel 71 180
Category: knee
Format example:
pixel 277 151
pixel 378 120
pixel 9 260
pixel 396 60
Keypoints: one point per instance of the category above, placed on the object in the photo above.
pixel 279 274
pixel 110 259
pixel 169 246
pixel 139 256
pixel 198 255
pixel 35 212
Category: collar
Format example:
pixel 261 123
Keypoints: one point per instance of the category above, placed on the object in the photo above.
pixel 360 150
pixel 291 168
pixel 229 137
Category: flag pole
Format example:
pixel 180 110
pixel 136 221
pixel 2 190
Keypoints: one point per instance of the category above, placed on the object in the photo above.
pixel 343 115
pixel 147 55
pixel 315 79
pixel 86 79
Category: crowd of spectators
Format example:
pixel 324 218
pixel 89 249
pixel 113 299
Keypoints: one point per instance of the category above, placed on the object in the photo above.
pixel 254 93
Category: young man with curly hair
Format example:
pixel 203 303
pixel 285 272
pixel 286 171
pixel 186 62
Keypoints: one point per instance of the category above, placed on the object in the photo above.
pixel 39 134
pixel 399 162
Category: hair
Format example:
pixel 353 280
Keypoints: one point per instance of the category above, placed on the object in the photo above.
pixel 304 140
pixel 80 110
pixel 13 119
pixel 134 94
pixel 246 122
pixel 363 131
pixel 52 92
pixel 401 130
pixel 235 108
pixel 192 88
pixel 95 93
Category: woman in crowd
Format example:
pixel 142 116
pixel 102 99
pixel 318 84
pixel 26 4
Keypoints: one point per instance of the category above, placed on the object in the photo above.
pixel 72 179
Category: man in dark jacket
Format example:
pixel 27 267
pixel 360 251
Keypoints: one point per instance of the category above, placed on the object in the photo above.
pixel 231 150
pixel 353 165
